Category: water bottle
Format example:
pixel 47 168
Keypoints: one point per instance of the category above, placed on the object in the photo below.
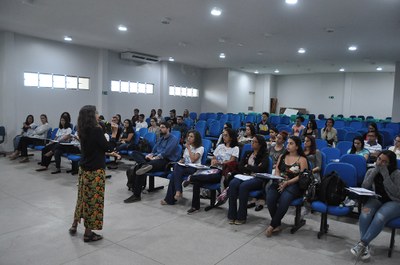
pixel 187 160
pixel 219 159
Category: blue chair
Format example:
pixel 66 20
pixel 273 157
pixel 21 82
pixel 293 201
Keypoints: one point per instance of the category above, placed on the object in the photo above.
pixel 151 139
pixel 398 163
pixel 320 124
pixel 260 193
pixel 340 134
pixel 274 120
pixel 348 174
pixel 177 134
pixel 193 115
pixel 189 123
pixel 212 115
pixel 321 117
pixel 214 130
pixel 323 163
pixel 339 124
pixel 344 146
pixel 359 163
pixel 349 136
pixel 321 143
pixel 203 117
pixel 201 127
pixel 250 118
pixel 393 224
pixel 356 125
pixel 394 126
pixel 51 135
pixel 331 153
pixel 245 148
pixel 142 132
pixel 285 120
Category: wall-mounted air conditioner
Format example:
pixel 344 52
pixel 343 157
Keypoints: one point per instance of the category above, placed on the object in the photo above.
pixel 139 57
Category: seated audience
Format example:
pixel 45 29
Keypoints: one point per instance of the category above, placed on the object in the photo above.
pixel 298 127
pixel 255 161
pixel 115 132
pixel 329 133
pixel 358 148
pixel 276 151
pixel 154 128
pixel 164 151
pixel 172 117
pixel 186 114
pixel 126 140
pixel 63 135
pixel 152 113
pixel 73 147
pixel 384 179
pixel 224 155
pixel 373 127
pixel 281 193
pixel 273 132
pixel 141 123
pixel 263 126
pixel 135 116
pixel 159 116
pixel 311 129
pixel 372 145
pixel 396 148
pixel 27 129
pixel 192 154
pixel 313 155
pixel 180 126
pixel 247 136
pixel 38 137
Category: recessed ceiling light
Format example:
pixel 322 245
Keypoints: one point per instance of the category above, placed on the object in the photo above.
pixel 67 38
pixel 171 59
pixel 301 50
pixel 341 70
pixel 256 72
pixel 122 28
pixel 379 69
pixel 352 48
pixel 216 11
pixel 276 71
pixel 291 2
pixel 222 55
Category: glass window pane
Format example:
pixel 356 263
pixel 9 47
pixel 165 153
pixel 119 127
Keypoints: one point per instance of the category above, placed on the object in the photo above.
pixel 183 91
pixel 72 82
pixel 189 92
pixel 84 83
pixel 195 92
pixel 171 90
pixel 115 86
pixel 45 80
pixel 59 81
pixel 31 79
pixel 142 88
pixel 177 91
pixel 124 86
pixel 133 88
pixel 149 88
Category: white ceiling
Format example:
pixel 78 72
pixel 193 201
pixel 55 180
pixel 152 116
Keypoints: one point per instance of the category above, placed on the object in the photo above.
pixel 261 35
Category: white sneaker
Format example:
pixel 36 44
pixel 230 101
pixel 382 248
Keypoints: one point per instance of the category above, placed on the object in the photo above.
pixel 358 250
pixel 365 255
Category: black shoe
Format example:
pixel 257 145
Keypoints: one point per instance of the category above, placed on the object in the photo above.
pixel 192 211
pixel 251 205
pixel 56 172
pixel 131 199
pixel 259 208
pixel 144 169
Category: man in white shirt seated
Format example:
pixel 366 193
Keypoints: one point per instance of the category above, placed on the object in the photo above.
pixel 141 123
pixel 372 145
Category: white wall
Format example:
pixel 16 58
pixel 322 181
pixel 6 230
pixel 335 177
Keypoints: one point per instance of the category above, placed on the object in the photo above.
pixel 239 86
pixel 354 93
pixel 215 90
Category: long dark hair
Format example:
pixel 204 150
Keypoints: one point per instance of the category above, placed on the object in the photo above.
pixel 353 148
pixel 392 160
pixel 27 119
pixel 263 147
pixel 313 147
pixel 252 130
pixel 233 135
pixel 86 122
pixel 197 138
pixel 300 150
pixel 66 116
pixel 129 129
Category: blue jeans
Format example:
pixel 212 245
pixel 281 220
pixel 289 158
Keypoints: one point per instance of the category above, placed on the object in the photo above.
pixel 278 202
pixel 198 181
pixel 175 183
pixel 374 216
pixel 241 189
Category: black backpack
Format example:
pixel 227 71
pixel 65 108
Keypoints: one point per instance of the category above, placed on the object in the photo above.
pixel 143 146
pixel 308 185
pixel 332 189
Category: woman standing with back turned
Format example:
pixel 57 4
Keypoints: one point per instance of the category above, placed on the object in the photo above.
pixel 90 203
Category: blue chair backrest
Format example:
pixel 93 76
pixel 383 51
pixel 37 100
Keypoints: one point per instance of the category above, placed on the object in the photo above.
pixel 270 164
pixel 339 124
pixel 52 133
pixel 193 115
pixel 321 116
pixel 341 133
pixel 321 143
pixel 349 136
pixel 201 127
pixel 212 115
pixel 177 134
pixel 148 121
pixel 203 116
pixel 356 125
pixel 250 118
pixel 207 144
pixel 320 124
pixel 347 172
pixel 323 163
pixel 214 128
pixel 142 132
pixel 224 118
pixel 137 138
pixel 189 123
pixel 358 162
pixel 394 126
pixel 344 146
pixel 285 120
pixel 245 148
pixel 331 153
pixel 398 163
pixel 151 138
pixel 275 120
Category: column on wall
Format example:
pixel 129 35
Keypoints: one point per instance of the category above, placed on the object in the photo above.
pixel 263 93
pixel 347 92
pixel 396 95
pixel 103 81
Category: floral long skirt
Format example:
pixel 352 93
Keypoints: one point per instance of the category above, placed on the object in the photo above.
pixel 90 203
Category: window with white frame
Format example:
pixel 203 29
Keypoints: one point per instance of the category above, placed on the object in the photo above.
pixel 58 81
pixel 183 91
pixel 131 87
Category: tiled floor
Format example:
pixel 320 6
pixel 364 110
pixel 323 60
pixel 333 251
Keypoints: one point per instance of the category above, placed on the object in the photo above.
pixel 36 211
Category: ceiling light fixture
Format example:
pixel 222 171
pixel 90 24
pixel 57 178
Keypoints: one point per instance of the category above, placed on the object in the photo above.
pixel 379 69
pixel 122 28
pixel 276 71
pixel 171 59
pixel 67 38
pixel 216 11
pixel 341 70
pixel 352 48
pixel 256 72
pixel 291 2
pixel 222 55
pixel 301 50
